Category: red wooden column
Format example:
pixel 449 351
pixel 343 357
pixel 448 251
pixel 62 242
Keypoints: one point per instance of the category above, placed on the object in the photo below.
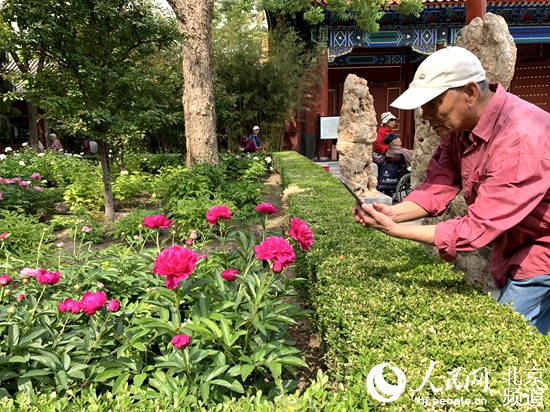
pixel 475 8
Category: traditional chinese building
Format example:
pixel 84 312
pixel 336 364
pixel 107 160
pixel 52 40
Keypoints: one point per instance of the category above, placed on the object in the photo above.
pixel 388 59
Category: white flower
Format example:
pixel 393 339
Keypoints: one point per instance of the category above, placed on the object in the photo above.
pixel 21 163
pixel 255 158
pixel 44 181
pixel 3 157
pixel 268 159
pixel 144 159
pixel 40 154
pixel 124 172
pixel 8 149
pixel 76 155
pixel 69 154
pixel 271 168
pixel 81 153
pixel 25 144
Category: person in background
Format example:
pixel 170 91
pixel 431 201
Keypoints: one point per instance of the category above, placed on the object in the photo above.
pixel 395 149
pixel 247 145
pixel 494 148
pixel 55 144
pixel 388 121
pixel 255 136
pixel 86 145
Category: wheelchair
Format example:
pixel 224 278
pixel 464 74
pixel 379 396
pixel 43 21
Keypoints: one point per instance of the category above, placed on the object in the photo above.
pixel 394 178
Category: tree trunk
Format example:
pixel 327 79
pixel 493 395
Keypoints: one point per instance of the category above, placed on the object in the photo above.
pixel 33 126
pixel 108 192
pixel 194 23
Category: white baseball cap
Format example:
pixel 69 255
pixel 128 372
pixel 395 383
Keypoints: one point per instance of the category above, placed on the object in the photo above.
pixel 442 70
pixel 256 128
pixel 386 117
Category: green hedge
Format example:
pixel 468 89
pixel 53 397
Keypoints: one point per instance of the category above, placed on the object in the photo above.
pixel 380 299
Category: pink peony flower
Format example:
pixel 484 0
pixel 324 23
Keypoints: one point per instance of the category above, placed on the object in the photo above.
pixel 92 302
pixel 4 235
pixel 229 274
pixel 35 176
pixel 100 285
pixel 181 341
pixel 176 263
pixel 156 221
pixel 193 234
pixel 20 297
pixel 300 232
pixel 276 249
pixel 5 280
pixel 47 278
pixel 29 272
pixel 189 242
pixel 24 183
pixel 86 229
pixel 38 188
pixel 113 305
pixel 266 208
pixel 69 305
pixel 216 212
pixel 1 198
pixel 60 244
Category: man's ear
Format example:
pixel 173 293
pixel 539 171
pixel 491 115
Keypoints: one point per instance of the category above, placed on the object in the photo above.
pixel 472 91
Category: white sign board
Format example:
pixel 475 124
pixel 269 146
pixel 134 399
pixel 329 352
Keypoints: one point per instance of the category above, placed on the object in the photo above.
pixel 328 127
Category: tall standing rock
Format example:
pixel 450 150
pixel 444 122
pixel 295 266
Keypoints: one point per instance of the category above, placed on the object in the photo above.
pixel 490 40
pixel 356 134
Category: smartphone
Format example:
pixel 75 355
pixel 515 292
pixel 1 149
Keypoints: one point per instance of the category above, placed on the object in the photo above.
pixel 357 198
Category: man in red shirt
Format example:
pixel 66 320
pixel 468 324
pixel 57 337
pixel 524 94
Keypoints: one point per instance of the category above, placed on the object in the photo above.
pixel 388 124
pixel 495 149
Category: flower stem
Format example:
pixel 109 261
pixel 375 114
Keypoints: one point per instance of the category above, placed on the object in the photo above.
pixel 60 334
pixel 38 250
pixel 256 307
pixel 38 301
pixel 100 332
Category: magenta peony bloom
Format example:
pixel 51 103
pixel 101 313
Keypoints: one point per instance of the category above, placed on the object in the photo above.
pixel 24 183
pixel 69 305
pixel 92 302
pixel 20 297
pixel 86 229
pixel 113 305
pixel 5 280
pixel 4 235
pixel 189 242
pixel 181 341
pixel 266 208
pixel 276 249
pixel 35 176
pixel 216 212
pixel 156 221
pixel 300 232
pixel 47 278
pixel 176 263
pixel 38 188
pixel 229 274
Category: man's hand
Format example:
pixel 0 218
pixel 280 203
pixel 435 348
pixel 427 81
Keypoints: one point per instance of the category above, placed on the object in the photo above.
pixel 377 215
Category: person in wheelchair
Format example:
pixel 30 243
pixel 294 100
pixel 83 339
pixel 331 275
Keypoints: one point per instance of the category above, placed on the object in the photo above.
pixel 395 150
pixel 394 166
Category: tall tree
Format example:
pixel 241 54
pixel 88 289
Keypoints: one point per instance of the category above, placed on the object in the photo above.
pixel 96 49
pixel 194 22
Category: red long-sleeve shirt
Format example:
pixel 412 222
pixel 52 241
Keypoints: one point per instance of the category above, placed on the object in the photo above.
pixel 379 146
pixel 503 170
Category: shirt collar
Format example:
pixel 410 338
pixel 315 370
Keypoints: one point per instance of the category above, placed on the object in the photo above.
pixel 486 123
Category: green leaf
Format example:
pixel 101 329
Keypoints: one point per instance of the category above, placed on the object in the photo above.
pixel 120 382
pixel 13 335
pixel 36 372
pixel 107 374
pixel 230 383
pixel 213 327
pixel 212 373
pixel 62 379
pixel 32 334
pixel 139 379
pixel 17 359
pixel 292 360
